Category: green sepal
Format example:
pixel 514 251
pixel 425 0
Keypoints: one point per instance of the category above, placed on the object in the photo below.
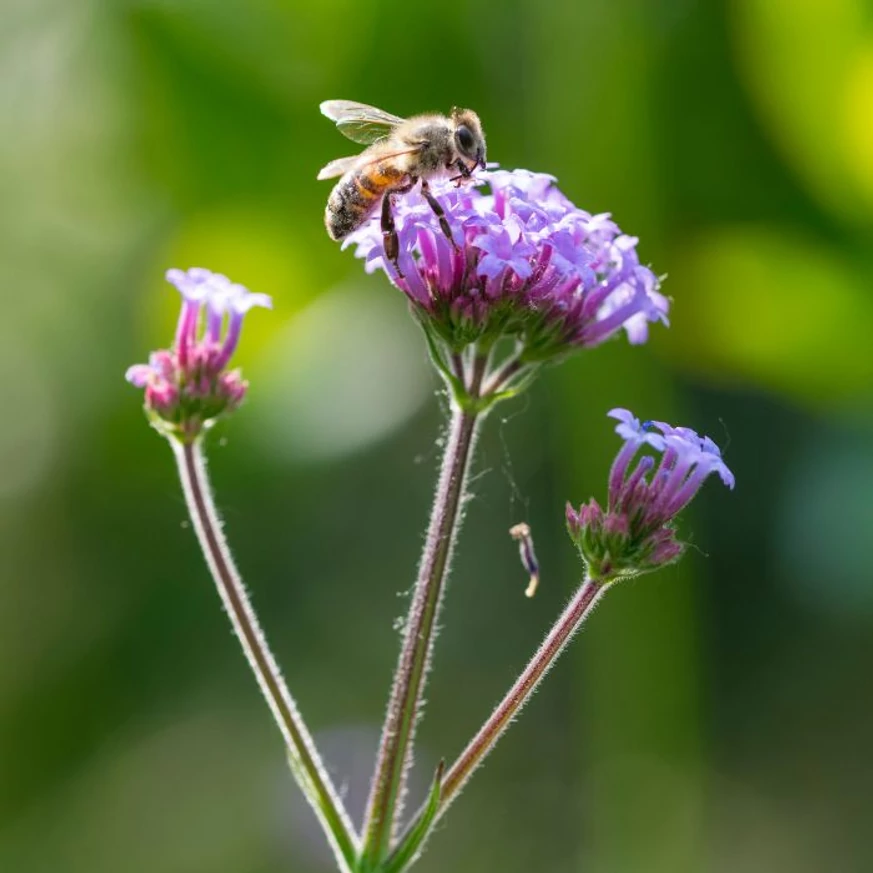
pixel 518 383
pixel 455 384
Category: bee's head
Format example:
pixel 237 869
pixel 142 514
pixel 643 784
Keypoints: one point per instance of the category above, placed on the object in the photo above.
pixel 469 139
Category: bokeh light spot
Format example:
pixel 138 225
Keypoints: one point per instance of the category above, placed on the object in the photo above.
pixel 796 59
pixel 824 522
pixel 762 306
pixel 342 374
pixel 252 246
pixel 28 437
pixel 858 119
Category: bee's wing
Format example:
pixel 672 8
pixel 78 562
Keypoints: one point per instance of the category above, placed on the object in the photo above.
pixel 359 122
pixel 339 167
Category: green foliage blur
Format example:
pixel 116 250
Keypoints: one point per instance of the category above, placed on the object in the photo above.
pixel 714 717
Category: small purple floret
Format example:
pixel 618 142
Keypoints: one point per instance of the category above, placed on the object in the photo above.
pixel 525 262
pixel 635 533
pixel 188 387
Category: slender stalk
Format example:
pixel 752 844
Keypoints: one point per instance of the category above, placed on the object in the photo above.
pixel 562 632
pixel 577 610
pixel 503 375
pixel 395 752
pixel 305 761
pixel 459 367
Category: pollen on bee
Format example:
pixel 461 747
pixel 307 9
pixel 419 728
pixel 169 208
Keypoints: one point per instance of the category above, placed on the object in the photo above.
pixel 521 533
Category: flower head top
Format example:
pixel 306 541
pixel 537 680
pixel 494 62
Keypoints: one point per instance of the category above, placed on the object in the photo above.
pixel 189 386
pixel 523 262
pixel 635 533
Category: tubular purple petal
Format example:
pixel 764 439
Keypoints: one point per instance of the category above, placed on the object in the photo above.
pixel 242 300
pixel 713 452
pixel 626 417
pixel 542 270
pixel 214 321
pixel 636 535
pixel 666 484
pixel 186 329
pixel 192 284
pixel 621 498
pixel 629 427
pixel 687 491
pixel 187 387
pixel 139 374
pixel 618 472
pixel 231 340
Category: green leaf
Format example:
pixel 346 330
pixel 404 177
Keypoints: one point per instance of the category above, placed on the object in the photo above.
pixel 414 839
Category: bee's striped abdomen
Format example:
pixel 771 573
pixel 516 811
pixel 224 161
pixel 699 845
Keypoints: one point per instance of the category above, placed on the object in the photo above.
pixel 356 196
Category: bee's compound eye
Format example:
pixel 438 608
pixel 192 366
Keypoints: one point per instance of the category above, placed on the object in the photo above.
pixel 465 139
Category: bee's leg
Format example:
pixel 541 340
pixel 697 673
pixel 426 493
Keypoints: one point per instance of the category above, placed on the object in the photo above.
pixel 390 242
pixel 464 173
pixel 438 211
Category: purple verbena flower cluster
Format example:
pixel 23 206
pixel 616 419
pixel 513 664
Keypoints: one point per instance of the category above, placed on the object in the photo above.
pixel 524 262
pixel 189 386
pixel 635 533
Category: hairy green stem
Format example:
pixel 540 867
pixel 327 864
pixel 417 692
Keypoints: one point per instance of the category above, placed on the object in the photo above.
pixel 578 609
pixel 511 368
pixel 562 632
pixel 306 763
pixel 395 752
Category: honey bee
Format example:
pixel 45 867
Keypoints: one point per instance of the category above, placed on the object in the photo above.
pixel 402 153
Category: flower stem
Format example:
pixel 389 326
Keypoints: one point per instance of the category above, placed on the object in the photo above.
pixel 395 751
pixel 562 632
pixel 306 763
pixel 577 610
pixel 503 375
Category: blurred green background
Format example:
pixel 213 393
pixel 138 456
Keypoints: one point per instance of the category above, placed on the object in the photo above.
pixel 714 717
